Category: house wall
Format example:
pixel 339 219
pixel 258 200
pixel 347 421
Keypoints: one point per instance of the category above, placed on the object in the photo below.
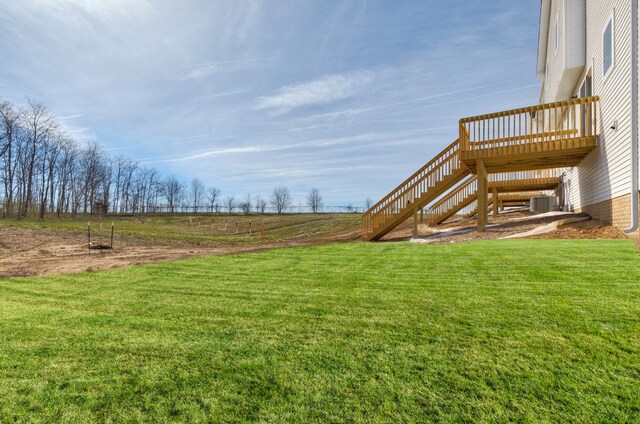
pixel 564 64
pixel 600 185
pixel 555 62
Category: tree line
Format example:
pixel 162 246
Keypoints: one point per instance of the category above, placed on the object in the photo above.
pixel 43 170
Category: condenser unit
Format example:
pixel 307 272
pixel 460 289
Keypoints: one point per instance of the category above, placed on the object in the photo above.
pixel 541 204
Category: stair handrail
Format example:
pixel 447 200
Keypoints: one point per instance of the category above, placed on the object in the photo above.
pixel 442 166
pixel 414 175
pixel 454 197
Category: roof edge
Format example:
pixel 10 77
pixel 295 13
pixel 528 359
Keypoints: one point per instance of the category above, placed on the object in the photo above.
pixel 543 37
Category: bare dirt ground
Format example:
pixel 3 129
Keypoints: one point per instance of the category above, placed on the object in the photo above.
pixel 507 225
pixel 32 252
pixel 40 251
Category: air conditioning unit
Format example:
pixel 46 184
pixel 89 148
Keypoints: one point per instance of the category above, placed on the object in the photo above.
pixel 542 204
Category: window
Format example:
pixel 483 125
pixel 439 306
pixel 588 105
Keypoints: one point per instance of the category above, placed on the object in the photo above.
pixel 608 48
pixel 557 32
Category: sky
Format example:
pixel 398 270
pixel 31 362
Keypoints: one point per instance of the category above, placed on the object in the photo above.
pixel 350 96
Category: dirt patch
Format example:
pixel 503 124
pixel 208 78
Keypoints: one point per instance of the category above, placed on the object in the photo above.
pixel 507 225
pixel 591 229
pixel 33 252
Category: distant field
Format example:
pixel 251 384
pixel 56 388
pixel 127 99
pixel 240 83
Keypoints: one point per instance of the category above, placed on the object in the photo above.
pixel 212 229
pixel 526 331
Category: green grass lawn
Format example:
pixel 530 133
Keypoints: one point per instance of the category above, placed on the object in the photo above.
pixel 522 330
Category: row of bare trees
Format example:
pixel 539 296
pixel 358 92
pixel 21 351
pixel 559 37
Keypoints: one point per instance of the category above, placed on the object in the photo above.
pixel 44 170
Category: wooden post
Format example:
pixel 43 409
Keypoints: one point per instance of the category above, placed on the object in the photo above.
pixel 422 216
pixel 112 235
pixel 89 236
pixel 482 194
pixel 262 230
pixel 495 202
pixel 415 219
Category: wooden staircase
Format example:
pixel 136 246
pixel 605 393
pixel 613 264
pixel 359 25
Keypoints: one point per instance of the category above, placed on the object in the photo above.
pixel 452 203
pixel 540 137
pixel 507 182
pixel 423 187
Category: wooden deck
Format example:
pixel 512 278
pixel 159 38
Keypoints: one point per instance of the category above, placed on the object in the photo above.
pixel 551 135
pixel 554 135
pixel 494 148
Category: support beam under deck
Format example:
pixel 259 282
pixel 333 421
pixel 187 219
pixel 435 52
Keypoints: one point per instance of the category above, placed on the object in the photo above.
pixel 482 195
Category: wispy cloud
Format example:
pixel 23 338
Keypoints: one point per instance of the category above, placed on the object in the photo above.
pixel 69 117
pixel 328 89
pixel 113 149
pixel 265 148
pixel 481 96
pixel 201 70
pixel 229 93
pixel 350 113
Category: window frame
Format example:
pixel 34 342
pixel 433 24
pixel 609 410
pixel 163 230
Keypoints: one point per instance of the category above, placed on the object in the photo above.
pixel 557 33
pixel 610 21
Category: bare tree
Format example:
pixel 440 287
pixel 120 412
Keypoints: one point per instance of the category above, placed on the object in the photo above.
pixel 197 193
pixel 368 203
pixel 38 123
pixel 213 195
pixel 280 199
pixel 314 200
pixel 172 190
pixel 94 173
pixel 9 127
pixel 42 169
pixel 230 204
pixel 261 204
pixel 246 205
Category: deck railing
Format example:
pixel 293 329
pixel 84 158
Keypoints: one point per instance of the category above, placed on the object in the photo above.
pixel 527 195
pixel 518 128
pixel 524 176
pixel 444 165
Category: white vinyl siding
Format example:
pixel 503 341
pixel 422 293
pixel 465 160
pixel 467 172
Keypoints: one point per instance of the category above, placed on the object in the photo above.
pixel 565 51
pixel 605 173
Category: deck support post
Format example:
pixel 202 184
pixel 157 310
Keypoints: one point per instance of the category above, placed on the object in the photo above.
pixel 495 202
pixel 415 219
pixel 482 195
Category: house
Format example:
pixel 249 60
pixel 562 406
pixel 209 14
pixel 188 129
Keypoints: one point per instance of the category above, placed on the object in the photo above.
pixel 580 140
pixel 589 47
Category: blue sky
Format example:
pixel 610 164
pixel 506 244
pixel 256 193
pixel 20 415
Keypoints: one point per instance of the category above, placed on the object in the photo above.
pixel 347 96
